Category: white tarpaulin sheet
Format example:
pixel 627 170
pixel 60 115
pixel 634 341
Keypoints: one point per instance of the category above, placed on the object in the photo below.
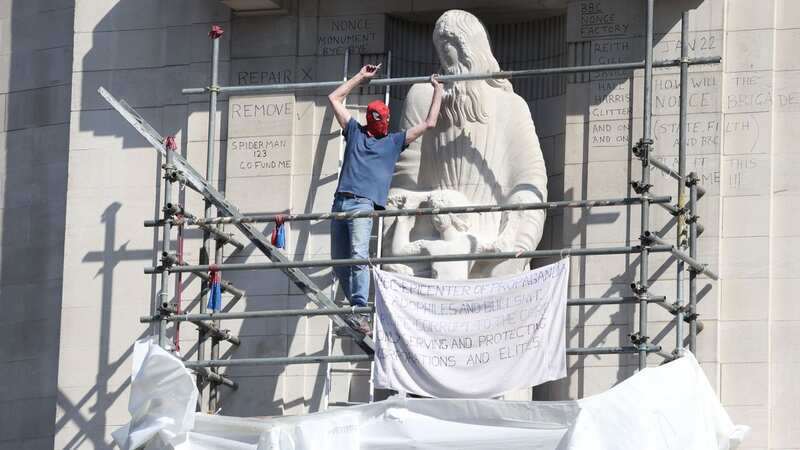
pixel 671 407
pixel 474 338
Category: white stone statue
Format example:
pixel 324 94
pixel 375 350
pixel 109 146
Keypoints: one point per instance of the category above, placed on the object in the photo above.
pixel 483 151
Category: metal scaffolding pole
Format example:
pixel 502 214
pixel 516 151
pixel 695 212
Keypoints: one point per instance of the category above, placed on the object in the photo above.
pixel 640 338
pixel 213 393
pixel 681 237
pixel 294 360
pixel 259 218
pixel 205 250
pixel 345 68
pixel 691 311
pixel 694 264
pixel 503 74
pixel 162 304
pixel 419 259
pixel 199 318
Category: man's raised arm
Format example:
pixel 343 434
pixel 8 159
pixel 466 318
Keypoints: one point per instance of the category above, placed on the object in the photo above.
pixel 433 113
pixel 336 98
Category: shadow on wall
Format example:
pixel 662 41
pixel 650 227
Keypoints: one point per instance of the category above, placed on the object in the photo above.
pixel 163 48
pixel 621 321
pixel 35 77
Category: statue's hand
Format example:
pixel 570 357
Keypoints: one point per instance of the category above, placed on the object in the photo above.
pixel 396 200
pixel 403 199
pixel 488 247
pixel 399 268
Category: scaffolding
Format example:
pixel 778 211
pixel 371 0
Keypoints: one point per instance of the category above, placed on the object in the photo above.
pixel 219 212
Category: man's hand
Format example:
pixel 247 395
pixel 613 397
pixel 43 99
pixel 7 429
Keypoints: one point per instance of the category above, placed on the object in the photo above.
pixel 337 97
pixel 369 70
pixel 437 85
pixel 433 113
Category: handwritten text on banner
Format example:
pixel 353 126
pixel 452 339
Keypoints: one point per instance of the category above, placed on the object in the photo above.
pixel 472 338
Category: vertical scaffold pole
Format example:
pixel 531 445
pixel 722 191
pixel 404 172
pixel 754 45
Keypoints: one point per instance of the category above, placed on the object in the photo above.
pixel 205 251
pixel 692 310
pixel 379 244
pixel 681 227
pixel 645 182
pixel 162 305
pixel 329 335
pixel 213 392
pixel 345 68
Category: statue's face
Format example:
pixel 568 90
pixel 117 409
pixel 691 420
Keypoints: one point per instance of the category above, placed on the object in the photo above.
pixel 448 49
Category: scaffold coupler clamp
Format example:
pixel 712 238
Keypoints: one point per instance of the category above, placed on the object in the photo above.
pixel 647 240
pixel 165 309
pixel 639 291
pixel 167 261
pixel 690 314
pixel 691 179
pixel 642 150
pixel 173 209
pixel 638 339
pixel 697 270
pixel 641 188
pixel 173 174
pixel 676 308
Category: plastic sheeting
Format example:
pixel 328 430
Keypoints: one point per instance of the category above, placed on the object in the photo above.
pixel 162 401
pixel 667 407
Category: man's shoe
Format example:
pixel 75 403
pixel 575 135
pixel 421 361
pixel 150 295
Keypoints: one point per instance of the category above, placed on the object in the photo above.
pixel 357 322
pixel 364 326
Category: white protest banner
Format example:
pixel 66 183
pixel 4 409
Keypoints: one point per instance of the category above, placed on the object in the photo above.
pixel 473 338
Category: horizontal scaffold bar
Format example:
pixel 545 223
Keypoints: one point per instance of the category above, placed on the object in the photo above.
pixel 260 314
pixel 293 360
pixel 503 74
pixel 425 211
pixel 415 259
pixel 701 191
pixel 359 310
pixel 615 300
pixel 695 265
pixel 664 168
pixel 217 378
pixel 212 331
pixel 281 361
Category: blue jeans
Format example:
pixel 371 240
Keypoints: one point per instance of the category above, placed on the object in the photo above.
pixel 350 239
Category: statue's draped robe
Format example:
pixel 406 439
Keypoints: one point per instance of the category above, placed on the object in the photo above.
pixel 496 162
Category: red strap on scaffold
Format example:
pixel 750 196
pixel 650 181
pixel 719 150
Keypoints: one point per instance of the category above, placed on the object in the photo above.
pixel 214 273
pixel 216 32
pixel 170 144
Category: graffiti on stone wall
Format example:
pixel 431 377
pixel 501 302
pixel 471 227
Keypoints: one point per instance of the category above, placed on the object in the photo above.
pixel 260 130
pixel 361 34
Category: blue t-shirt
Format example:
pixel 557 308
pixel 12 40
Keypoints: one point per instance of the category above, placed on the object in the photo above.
pixel 369 162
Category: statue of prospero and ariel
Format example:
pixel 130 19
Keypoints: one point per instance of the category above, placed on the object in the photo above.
pixel 483 151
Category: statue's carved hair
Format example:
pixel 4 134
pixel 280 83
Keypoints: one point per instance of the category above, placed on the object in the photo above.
pixel 467 33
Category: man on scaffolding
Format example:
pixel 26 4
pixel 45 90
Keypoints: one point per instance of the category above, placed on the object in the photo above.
pixel 370 155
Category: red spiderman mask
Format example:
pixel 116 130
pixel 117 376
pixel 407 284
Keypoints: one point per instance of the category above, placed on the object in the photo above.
pixel 378 119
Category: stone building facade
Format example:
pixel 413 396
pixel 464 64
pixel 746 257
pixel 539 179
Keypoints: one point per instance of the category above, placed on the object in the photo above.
pixel 78 182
